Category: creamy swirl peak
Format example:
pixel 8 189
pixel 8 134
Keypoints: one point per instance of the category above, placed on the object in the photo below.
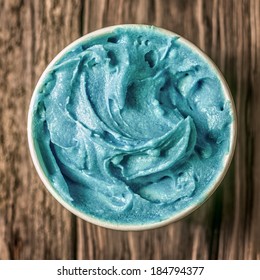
pixel 132 126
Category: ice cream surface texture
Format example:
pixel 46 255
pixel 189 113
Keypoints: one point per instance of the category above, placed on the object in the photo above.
pixel 132 126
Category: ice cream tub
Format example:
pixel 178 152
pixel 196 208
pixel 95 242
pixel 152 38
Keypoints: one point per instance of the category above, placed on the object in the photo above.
pixel 131 127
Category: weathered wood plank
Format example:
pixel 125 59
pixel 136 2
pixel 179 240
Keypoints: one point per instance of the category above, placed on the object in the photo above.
pixel 33 225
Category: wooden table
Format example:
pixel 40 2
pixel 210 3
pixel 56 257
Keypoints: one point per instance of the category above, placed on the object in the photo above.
pixel 33 225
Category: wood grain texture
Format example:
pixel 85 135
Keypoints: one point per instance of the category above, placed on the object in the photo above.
pixel 33 225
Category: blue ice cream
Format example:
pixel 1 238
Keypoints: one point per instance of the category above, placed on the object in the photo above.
pixel 132 126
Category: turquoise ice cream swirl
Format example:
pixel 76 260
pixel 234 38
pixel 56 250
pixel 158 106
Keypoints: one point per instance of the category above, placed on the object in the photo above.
pixel 132 126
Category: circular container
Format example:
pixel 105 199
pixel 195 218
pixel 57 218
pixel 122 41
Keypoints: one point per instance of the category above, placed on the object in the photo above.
pixel 39 165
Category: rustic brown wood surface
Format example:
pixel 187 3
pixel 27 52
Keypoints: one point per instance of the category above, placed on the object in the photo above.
pixel 33 225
